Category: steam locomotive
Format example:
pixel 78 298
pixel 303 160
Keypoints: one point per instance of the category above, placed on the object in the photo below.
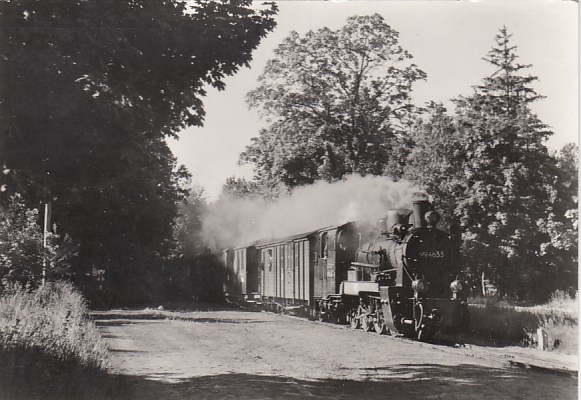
pixel 401 276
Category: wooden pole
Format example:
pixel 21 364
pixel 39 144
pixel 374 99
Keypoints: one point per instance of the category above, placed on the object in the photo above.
pixel 47 218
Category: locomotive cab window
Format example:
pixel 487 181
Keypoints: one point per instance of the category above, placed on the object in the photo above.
pixel 324 245
pixel 331 242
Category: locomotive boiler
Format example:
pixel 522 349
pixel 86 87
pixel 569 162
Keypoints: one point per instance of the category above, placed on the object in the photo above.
pixel 404 279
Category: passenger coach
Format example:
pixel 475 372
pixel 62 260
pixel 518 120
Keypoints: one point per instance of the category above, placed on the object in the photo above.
pixel 286 270
pixel 241 265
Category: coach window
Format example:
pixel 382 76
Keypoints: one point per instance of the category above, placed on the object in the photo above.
pixel 269 259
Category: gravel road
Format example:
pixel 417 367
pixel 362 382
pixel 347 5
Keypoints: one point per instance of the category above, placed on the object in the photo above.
pixel 258 355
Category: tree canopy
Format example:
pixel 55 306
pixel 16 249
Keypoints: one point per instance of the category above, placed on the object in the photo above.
pixel 90 91
pixel 489 167
pixel 338 102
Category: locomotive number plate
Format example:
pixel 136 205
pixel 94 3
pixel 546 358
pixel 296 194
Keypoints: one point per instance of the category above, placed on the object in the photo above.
pixel 432 254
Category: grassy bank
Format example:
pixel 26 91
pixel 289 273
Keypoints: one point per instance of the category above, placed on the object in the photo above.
pixel 48 346
pixel 500 323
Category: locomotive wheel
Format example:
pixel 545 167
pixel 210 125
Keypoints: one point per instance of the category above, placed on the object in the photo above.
pixel 366 323
pixel 353 320
pixel 379 327
pixel 379 323
pixel 421 335
pixel 313 313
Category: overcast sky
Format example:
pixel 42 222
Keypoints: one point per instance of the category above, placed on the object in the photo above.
pixel 447 39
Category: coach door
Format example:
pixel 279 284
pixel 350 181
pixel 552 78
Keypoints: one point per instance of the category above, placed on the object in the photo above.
pixel 289 279
pixel 326 267
pixel 331 262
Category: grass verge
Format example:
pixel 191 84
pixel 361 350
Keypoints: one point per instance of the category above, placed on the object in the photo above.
pixel 49 348
pixel 500 323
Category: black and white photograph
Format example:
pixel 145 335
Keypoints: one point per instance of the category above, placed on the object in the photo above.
pixel 237 199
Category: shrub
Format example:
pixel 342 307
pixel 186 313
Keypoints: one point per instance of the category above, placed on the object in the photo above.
pixel 52 321
pixel 496 321
pixel 22 249
pixel 497 324
pixel 560 319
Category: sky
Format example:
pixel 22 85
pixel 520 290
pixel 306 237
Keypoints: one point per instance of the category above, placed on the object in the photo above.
pixel 447 39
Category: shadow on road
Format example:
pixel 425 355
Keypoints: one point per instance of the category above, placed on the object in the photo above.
pixel 422 381
pixel 402 382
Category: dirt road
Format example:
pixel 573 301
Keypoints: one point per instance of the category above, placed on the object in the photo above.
pixel 254 355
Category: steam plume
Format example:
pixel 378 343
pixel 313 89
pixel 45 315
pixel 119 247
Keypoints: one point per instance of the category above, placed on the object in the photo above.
pixel 232 221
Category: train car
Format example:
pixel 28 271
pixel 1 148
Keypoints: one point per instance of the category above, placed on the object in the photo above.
pixel 286 270
pixel 405 280
pixel 241 265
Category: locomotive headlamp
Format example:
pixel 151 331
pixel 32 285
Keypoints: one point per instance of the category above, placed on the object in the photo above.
pixel 456 286
pixel 432 218
pixel 419 285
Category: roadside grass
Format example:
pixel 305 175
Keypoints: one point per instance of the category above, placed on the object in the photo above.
pixel 49 348
pixel 501 323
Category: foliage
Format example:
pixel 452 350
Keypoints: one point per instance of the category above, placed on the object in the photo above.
pixel 90 91
pixel 560 319
pixel 508 177
pixel 337 102
pixel 491 171
pixel 561 222
pixel 501 322
pixel 52 319
pixel 188 226
pixel 240 188
pixel 500 325
pixel 434 162
pixel 22 249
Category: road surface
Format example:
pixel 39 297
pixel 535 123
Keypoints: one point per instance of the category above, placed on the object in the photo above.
pixel 256 355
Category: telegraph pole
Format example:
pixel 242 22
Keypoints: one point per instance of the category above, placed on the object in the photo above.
pixel 47 217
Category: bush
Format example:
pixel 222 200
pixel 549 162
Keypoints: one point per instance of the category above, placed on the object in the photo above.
pixel 22 249
pixel 53 321
pixel 560 319
pixel 498 322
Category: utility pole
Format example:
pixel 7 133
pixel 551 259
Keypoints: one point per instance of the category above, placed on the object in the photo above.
pixel 47 217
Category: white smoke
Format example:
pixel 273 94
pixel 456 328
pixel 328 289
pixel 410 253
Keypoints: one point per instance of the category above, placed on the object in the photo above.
pixel 232 221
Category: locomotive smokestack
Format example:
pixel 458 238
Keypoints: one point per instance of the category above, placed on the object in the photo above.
pixel 421 207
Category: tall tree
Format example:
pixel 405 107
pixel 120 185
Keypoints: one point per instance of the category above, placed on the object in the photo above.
pixel 491 166
pixel 435 161
pixel 560 251
pixel 488 167
pixel 339 100
pixel 90 90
